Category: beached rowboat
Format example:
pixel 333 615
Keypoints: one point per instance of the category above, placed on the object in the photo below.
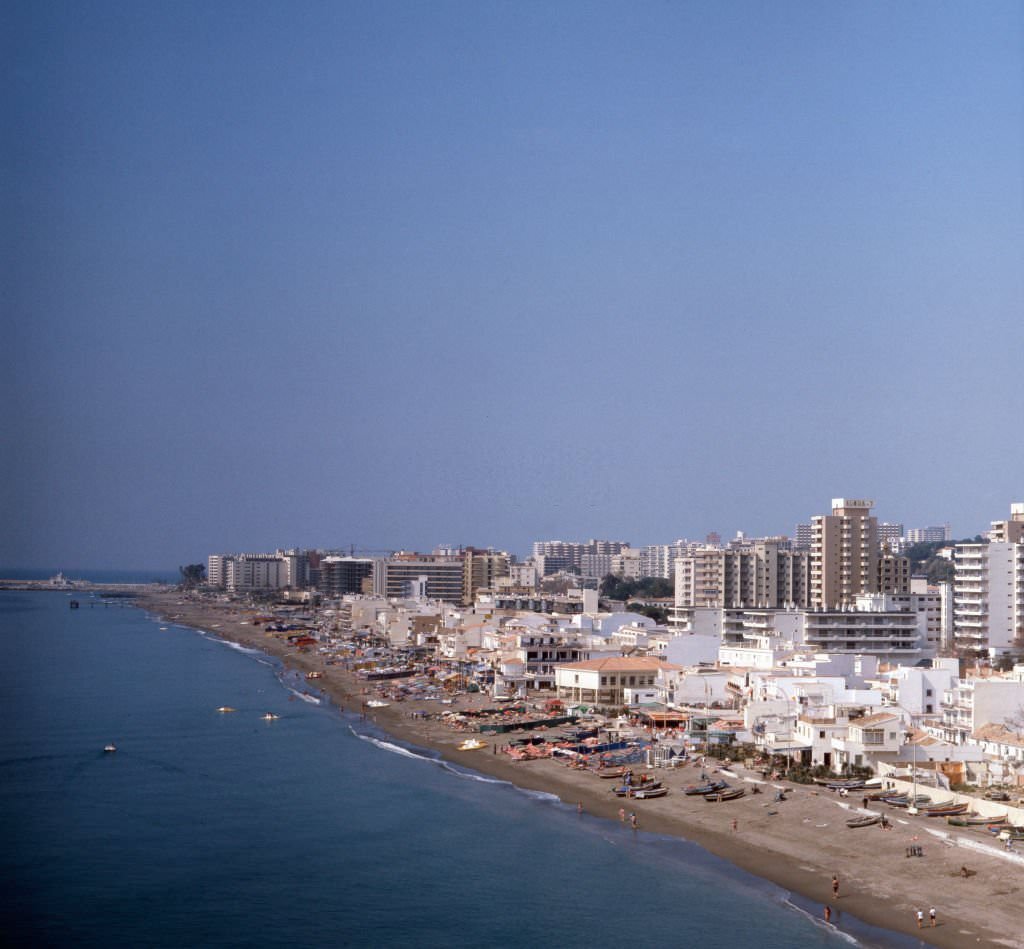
pixel 629 790
pixel 975 820
pixel 865 820
pixel 709 787
pixel 646 793
pixel 731 794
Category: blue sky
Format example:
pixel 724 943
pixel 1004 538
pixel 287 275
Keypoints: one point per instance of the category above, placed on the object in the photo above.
pixel 403 274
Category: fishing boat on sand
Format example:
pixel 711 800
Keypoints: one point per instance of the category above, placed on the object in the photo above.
pixel 610 772
pixel 975 820
pixel 730 794
pixel 865 820
pixel 708 787
pixel 948 809
pixel 903 800
pixel 629 790
pixel 643 794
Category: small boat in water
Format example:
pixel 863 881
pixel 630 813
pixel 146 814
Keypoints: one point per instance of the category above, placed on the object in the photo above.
pixel 270 717
pixel 225 708
pixel 110 749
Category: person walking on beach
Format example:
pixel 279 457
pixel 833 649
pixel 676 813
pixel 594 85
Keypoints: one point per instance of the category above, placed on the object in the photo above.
pixel 835 886
pixel 920 918
pixel 622 814
pixel 931 915
pixel 828 914
pixel 632 820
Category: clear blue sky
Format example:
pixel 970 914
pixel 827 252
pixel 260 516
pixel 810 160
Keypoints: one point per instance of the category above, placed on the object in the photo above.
pixel 396 274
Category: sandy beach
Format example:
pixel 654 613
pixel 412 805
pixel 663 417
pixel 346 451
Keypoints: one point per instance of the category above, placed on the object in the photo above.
pixel 799 843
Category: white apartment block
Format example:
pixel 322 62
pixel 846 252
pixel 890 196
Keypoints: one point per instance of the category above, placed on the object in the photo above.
pixel 658 560
pixel 627 564
pixel 988 597
pixel 759 574
pixel 930 535
pixel 552 556
pixel 1011 531
pixel 971 703
pixel 875 627
pixel 251 572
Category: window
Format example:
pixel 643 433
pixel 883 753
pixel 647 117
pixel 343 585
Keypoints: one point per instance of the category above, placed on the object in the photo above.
pixel 821 734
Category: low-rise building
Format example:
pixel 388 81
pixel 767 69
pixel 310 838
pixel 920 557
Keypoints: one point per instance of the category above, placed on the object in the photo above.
pixel 602 682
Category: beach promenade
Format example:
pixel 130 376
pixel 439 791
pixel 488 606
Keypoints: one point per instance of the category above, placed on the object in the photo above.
pixel 798 843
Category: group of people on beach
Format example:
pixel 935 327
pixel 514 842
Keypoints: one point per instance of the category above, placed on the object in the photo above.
pixel 919 913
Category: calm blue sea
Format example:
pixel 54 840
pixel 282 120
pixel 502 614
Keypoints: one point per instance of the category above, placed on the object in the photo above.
pixel 206 829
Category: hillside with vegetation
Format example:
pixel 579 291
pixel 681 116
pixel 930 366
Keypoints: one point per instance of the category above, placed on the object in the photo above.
pixel 926 562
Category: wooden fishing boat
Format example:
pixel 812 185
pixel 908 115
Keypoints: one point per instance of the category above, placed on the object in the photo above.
pixel 709 787
pixel 1004 831
pixel 629 790
pixel 903 800
pixel 610 772
pixel 730 794
pixel 974 820
pixel 951 810
pixel 644 794
pixel 851 785
pixel 865 820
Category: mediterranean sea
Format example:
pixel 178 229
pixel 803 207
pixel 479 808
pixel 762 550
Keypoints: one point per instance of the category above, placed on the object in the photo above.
pixel 225 829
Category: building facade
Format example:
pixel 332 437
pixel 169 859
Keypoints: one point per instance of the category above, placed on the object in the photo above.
pixel 844 554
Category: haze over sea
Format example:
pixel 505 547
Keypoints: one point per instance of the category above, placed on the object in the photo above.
pixel 209 829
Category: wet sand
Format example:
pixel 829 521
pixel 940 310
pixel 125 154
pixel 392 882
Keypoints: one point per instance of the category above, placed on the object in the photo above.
pixel 798 844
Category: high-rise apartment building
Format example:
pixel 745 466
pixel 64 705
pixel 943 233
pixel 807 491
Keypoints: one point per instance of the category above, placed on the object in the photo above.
pixel 891 534
pixel 930 535
pixel 568 555
pixel 1011 531
pixel 844 554
pixel 988 590
pixel 760 575
pixel 481 569
pixel 893 573
pixel 438 577
pixel 341 575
